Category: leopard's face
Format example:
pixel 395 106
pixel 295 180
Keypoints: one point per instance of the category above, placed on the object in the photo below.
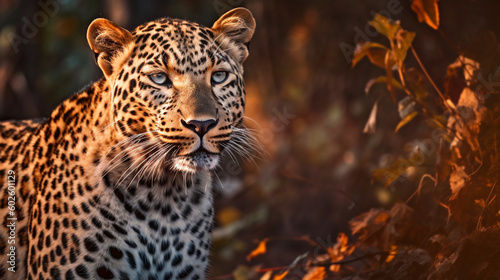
pixel 178 86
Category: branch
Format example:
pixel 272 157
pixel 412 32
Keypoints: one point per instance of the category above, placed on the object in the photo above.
pixel 352 260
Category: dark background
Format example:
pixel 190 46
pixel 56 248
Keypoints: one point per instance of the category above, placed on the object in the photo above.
pixel 305 101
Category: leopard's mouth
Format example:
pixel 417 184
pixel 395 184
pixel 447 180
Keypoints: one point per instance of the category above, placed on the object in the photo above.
pixel 199 160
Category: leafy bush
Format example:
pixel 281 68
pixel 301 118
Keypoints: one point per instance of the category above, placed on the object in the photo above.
pixel 449 227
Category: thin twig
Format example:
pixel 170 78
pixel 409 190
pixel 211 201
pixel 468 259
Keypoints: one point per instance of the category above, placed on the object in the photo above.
pixel 420 186
pixel 427 75
pixel 484 207
pixel 352 260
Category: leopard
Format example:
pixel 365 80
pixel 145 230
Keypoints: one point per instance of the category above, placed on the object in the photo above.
pixel 117 183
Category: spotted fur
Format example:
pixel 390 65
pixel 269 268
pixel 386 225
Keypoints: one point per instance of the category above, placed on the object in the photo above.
pixel 116 183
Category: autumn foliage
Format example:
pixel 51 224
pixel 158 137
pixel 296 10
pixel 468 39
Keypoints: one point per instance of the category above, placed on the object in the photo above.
pixel 449 227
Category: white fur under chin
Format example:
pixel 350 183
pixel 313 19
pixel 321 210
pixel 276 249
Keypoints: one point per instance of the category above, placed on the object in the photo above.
pixel 199 162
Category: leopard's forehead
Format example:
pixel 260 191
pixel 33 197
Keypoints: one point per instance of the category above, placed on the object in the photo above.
pixel 185 46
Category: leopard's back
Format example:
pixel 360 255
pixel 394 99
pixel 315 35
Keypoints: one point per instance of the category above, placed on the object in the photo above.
pixel 17 154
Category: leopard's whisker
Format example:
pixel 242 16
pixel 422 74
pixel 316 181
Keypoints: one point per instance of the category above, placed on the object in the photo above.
pixel 133 166
pixel 184 175
pixel 145 162
pixel 128 152
pixel 108 126
pixel 129 141
pixel 115 161
pixel 229 152
pixel 220 182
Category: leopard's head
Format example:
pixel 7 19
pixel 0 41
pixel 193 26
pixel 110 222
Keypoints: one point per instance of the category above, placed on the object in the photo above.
pixel 176 85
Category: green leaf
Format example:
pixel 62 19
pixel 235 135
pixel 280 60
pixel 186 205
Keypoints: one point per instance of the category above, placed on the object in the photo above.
pixel 406 120
pixel 382 79
pixel 374 51
pixel 428 11
pixel 384 26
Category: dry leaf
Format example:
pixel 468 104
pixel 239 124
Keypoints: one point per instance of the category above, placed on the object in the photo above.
pixel 280 276
pixel 427 10
pixel 261 249
pixel 389 62
pixel 372 120
pixel 385 26
pixel 403 42
pixel 315 273
pixel 267 276
pixel 457 180
pixel 392 253
pixel 382 228
pixel 374 51
pixel 406 120
pixel 381 79
pixel 471 108
pixel 390 174
pixel 340 250
pixel 368 222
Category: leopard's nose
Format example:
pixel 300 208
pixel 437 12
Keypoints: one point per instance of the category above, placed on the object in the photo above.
pixel 200 127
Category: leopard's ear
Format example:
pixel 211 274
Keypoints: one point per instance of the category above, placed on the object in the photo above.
pixel 108 41
pixel 238 26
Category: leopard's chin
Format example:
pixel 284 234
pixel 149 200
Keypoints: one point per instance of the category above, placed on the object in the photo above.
pixel 197 161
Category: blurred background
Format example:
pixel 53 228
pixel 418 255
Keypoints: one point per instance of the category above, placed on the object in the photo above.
pixel 305 101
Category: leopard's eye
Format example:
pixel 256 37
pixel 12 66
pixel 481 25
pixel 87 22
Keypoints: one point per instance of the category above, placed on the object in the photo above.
pixel 219 77
pixel 160 79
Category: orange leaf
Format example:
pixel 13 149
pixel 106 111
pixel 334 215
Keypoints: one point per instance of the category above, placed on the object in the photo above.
pixel 280 276
pixel 427 10
pixel 392 254
pixel 374 51
pixel 385 26
pixel 377 57
pixel 389 61
pixel 261 249
pixel 316 273
pixel 406 120
pixel 382 79
pixel 403 42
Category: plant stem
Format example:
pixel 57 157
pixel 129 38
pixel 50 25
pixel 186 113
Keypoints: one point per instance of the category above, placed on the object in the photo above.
pixel 428 76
